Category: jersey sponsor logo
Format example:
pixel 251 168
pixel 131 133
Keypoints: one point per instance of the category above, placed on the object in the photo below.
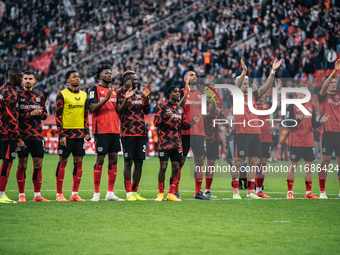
pixel 37 99
pixel 193 102
pixel 92 94
pixel 137 102
pixel 111 99
pixel 77 98
pixel 25 107
pixel 334 103
pixel 70 106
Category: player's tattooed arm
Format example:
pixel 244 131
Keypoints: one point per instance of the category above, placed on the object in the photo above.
pixel 261 91
pixel 239 80
pixel 185 96
pixel 325 86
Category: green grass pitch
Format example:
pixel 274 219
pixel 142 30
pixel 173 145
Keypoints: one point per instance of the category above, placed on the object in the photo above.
pixel 223 226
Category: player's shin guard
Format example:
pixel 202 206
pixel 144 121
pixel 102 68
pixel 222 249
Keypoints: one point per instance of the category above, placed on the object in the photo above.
pixel 112 172
pixel 60 176
pixel 322 179
pixel 97 174
pixel 250 186
pixel 259 178
pixel 21 179
pixel 198 180
pixel 290 185
pixel 178 179
pixel 208 180
pixel 37 179
pixel 135 187
pixel 172 186
pixel 161 187
pixel 4 174
pixel 77 174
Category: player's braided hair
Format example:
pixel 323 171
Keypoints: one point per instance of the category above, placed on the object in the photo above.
pixel 128 72
pixel 102 68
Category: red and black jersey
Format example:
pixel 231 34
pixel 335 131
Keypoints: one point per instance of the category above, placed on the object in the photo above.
pixel 132 119
pixel 105 120
pixel 30 127
pixel 211 132
pixel 193 107
pixel 70 133
pixel 302 134
pixel 241 121
pixel 9 113
pixel 265 136
pixel 330 104
pixel 169 129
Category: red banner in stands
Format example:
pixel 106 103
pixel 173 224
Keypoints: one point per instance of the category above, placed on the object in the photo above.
pixel 43 62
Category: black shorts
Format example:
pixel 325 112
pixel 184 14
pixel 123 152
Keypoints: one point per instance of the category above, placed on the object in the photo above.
pixel 134 147
pixel 247 145
pixel 212 150
pixel 74 146
pixel 195 142
pixel 330 143
pixel 174 155
pixel 307 153
pixel 35 147
pixel 8 149
pixel 265 150
pixel 107 143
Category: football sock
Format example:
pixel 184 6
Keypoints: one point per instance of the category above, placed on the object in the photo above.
pixel 60 177
pixel 77 174
pixel 37 179
pixel 161 187
pixel 112 172
pixel 208 182
pixel 290 185
pixel 97 174
pixel 235 185
pixel 179 179
pixel 322 179
pixel 172 186
pixel 308 187
pixel 2 193
pixel 4 174
pixel 128 186
pixel 251 186
pixel 259 178
pixel 73 193
pixel 135 187
pixel 198 185
pixel 36 194
pixel 21 179
pixel 21 194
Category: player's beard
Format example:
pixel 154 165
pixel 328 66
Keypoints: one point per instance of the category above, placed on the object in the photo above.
pixel 193 82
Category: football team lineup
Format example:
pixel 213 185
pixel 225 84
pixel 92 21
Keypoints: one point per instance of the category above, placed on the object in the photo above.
pixel 118 118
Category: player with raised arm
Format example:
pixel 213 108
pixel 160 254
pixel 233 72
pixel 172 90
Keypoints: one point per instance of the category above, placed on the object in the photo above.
pixel 301 142
pixel 32 111
pixel 193 138
pixel 265 139
pixel 9 134
pixel 247 138
pixel 132 106
pixel 105 128
pixel 329 101
pixel 73 127
pixel 170 120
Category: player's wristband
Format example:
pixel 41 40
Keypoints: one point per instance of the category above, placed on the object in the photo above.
pixel 273 72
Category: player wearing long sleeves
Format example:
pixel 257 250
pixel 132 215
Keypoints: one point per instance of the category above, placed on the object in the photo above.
pixel 32 111
pixel 73 127
pixel 170 121
pixel 301 142
pixel 9 133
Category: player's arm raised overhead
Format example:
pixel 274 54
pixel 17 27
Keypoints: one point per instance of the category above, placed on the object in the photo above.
pixel 185 96
pixel 94 105
pixel 325 86
pixel 261 91
pixel 146 104
pixel 239 79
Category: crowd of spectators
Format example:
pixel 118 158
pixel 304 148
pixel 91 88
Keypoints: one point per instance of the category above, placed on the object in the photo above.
pixel 212 42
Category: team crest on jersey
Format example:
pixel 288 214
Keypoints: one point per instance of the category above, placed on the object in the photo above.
pixel 19 149
pixel 337 96
pixel 37 99
pixel 161 154
pixel 264 106
pixel 126 154
pixel 60 151
pixel 293 156
pixel 1 97
pixel 100 149
pixel 13 154
pixel 242 153
pixel 180 111
pixel 138 96
pixel 92 94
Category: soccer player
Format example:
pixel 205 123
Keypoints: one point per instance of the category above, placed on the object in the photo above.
pixel 247 138
pixel 266 142
pixel 132 106
pixel 73 126
pixel 301 141
pixel 105 128
pixel 212 141
pixel 32 110
pixel 329 100
pixel 194 138
pixel 9 135
pixel 170 120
